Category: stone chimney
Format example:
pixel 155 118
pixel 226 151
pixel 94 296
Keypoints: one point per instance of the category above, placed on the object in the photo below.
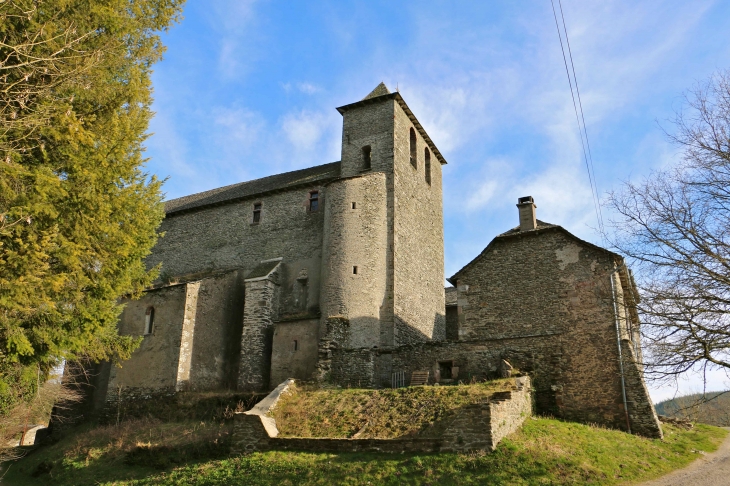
pixel 526 207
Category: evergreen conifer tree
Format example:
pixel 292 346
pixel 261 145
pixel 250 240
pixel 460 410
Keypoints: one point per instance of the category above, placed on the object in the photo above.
pixel 78 214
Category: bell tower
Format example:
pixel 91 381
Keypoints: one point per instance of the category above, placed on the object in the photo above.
pixel 383 266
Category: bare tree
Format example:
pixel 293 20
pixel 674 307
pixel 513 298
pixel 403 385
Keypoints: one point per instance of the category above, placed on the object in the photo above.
pixel 675 226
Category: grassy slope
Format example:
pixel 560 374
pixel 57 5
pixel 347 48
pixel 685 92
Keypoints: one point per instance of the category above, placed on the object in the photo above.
pixel 545 451
pixel 375 413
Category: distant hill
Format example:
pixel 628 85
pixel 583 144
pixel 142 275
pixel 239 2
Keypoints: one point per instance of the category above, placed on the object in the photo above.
pixel 711 408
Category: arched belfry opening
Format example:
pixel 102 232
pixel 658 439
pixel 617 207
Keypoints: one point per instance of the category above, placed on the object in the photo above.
pixel 414 153
pixel 427 164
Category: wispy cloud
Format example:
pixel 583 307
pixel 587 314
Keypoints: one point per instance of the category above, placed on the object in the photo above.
pixel 236 41
pixel 240 127
pixel 306 88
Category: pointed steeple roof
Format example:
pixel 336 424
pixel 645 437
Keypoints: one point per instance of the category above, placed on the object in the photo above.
pixel 379 90
pixel 380 94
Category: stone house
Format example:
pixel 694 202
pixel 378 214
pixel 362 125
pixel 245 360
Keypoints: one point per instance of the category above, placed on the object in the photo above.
pixel 335 273
pixel 572 302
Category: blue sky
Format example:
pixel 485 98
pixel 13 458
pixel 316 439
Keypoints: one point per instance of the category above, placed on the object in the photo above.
pixel 249 88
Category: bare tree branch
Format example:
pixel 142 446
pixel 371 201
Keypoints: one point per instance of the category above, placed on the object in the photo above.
pixel 675 227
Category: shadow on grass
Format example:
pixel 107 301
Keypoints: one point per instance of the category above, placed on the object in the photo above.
pixel 545 451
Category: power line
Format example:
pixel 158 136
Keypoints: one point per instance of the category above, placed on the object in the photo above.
pixel 580 105
pixel 581 127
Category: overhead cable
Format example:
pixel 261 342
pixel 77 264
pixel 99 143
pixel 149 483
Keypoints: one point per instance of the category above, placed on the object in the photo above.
pixel 587 156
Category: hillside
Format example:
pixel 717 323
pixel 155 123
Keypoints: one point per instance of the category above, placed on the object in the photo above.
pixel 545 451
pixel 711 408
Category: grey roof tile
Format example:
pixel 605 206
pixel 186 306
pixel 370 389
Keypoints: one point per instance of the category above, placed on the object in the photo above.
pixel 516 229
pixel 379 90
pixel 263 269
pixel 242 190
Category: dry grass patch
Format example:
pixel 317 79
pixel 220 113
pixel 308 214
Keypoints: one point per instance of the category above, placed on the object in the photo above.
pixel 313 412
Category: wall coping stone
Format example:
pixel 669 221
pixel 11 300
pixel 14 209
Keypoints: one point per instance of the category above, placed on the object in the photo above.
pixel 263 408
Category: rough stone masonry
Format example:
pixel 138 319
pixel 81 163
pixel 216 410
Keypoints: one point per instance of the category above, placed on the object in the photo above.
pixel 335 273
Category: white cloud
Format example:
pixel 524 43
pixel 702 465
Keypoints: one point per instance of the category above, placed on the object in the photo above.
pixel 305 129
pixel 236 51
pixel 241 126
pixel 306 88
pixel 168 142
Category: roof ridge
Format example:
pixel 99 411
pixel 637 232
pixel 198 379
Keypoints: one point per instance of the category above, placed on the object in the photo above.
pixel 253 187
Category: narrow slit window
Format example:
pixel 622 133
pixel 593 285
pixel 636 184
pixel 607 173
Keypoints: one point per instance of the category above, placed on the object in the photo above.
pixel 366 157
pixel 257 212
pixel 149 320
pixel 354 205
pixel 295 345
pixel 354 270
pixel 414 154
pixel 313 201
pixel 427 164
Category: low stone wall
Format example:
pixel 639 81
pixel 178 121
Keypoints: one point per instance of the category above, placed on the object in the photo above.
pixel 476 427
pixel 388 446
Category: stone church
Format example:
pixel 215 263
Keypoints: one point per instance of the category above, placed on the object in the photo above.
pixel 335 273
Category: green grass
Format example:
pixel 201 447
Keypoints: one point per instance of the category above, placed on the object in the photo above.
pixel 387 413
pixel 545 451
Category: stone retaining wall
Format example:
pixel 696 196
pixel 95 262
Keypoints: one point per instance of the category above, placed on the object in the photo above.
pixel 476 427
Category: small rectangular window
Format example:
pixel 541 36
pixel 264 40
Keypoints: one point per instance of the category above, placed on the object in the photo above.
pixel 149 320
pixel 257 212
pixel 366 157
pixel 314 201
pixel 354 206
pixel 354 270
pixel 295 345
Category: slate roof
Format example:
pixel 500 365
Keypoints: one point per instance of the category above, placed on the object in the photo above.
pixel 516 229
pixel 542 227
pixel 243 190
pixel 379 90
pixel 263 269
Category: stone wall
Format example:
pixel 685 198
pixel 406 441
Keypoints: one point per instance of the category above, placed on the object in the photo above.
pixel 418 240
pixel 546 282
pixel 222 238
pixel 217 330
pixel 368 125
pixel 258 331
pixel 294 350
pixel 539 356
pixel 354 264
pixel 476 427
pixel 195 339
pixel 154 364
